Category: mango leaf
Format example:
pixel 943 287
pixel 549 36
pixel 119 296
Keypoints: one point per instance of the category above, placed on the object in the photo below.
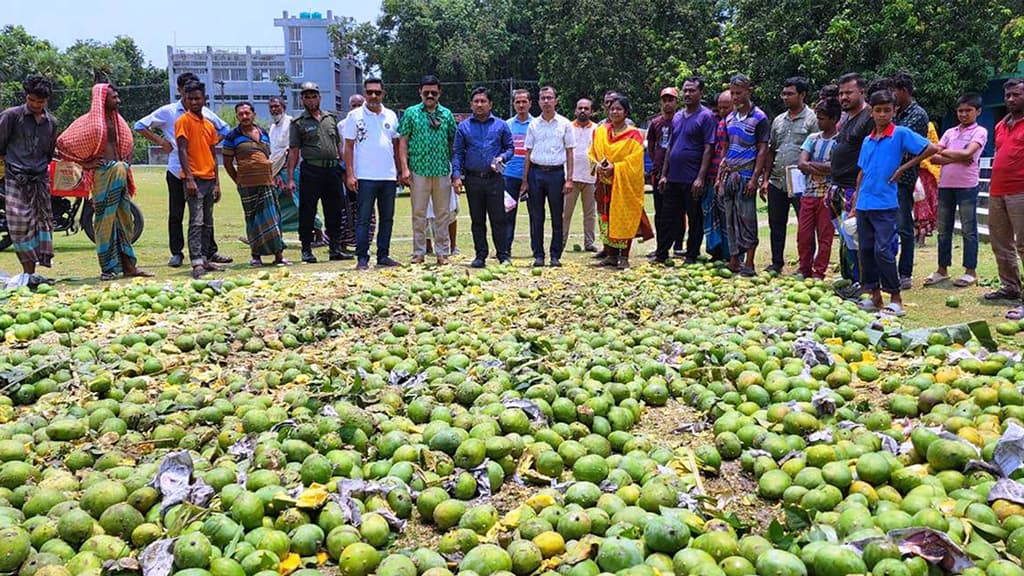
pixel 797 518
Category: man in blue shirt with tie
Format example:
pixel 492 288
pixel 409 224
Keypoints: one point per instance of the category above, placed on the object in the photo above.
pixel 483 144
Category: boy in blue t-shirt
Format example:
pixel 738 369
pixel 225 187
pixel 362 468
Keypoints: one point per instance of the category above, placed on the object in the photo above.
pixel 875 200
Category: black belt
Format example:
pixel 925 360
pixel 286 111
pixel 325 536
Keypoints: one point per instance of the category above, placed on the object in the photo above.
pixel 475 174
pixel 332 163
pixel 544 168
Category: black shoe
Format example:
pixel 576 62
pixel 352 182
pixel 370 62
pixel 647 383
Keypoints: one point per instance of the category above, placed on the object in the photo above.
pixel 336 256
pixel 387 262
pixel 176 261
pixel 477 263
pixel 658 260
pixel 538 262
pixel 556 263
pixel 689 261
pixel 363 264
pixel 590 249
pixel 679 253
pixel 307 255
pixel 218 258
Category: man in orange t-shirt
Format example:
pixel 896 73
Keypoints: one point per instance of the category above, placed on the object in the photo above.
pixel 197 137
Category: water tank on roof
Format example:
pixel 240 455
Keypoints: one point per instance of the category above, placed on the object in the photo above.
pixel 304 15
pixel 317 16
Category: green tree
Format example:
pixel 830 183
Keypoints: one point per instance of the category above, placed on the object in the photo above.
pixel 589 47
pixel 22 55
pixel 463 42
pixel 939 43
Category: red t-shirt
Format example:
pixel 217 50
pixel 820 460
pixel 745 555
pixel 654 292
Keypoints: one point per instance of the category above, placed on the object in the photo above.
pixel 1008 165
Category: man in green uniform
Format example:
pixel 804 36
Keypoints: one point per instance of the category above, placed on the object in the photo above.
pixel 315 134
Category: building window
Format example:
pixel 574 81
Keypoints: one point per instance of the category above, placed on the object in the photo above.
pixel 229 74
pixel 296 71
pixel 295 41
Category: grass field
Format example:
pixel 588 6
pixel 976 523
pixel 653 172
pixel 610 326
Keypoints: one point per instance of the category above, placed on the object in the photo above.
pixel 76 264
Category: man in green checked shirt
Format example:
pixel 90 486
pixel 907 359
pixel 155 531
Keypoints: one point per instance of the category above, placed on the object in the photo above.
pixel 425 153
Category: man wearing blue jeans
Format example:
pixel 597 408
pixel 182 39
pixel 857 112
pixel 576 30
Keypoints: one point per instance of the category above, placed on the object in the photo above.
pixel 548 174
pixel 876 204
pixel 518 125
pixel 371 150
pixel 960 149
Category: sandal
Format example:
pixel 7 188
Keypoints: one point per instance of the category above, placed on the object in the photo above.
pixel 107 277
pixel 282 262
pixel 894 309
pixel 255 263
pixel 139 273
pixel 935 278
pixel 198 271
pixel 965 281
pixel 1015 313
pixel 867 306
pixel 1003 293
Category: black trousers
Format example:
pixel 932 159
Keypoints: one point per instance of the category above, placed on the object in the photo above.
pixel 658 202
pixel 546 186
pixel 177 200
pixel 486 198
pixel 779 203
pixel 677 200
pixel 319 185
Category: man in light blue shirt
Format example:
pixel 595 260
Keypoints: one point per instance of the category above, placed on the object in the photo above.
pixel 163 119
pixel 514 168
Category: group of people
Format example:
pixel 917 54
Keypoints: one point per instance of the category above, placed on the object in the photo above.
pixel 848 165
pixel 863 163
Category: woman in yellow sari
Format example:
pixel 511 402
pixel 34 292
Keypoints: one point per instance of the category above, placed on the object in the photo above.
pixel 617 155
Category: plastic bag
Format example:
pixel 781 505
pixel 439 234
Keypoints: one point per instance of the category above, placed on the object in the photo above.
pixel 510 202
pixel 919 192
pixel 850 227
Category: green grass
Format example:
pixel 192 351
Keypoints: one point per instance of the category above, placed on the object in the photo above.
pixel 76 263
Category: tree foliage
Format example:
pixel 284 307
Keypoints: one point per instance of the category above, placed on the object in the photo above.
pixel 75 70
pixel 583 47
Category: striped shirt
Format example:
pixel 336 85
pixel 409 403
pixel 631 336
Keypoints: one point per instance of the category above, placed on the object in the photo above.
pixel 744 133
pixel 252 158
pixel 820 150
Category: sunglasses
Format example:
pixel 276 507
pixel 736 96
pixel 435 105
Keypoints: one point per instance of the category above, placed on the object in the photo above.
pixel 374 92
pixel 430 94
pixel 433 120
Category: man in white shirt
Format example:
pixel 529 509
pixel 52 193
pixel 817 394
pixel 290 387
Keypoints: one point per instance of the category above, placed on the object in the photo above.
pixel 583 181
pixel 547 174
pixel 371 152
pixel 288 202
pixel 354 101
pixel 163 119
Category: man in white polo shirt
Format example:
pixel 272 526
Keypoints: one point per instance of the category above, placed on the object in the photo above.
pixel 371 151
pixel 547 174
pixel 583 181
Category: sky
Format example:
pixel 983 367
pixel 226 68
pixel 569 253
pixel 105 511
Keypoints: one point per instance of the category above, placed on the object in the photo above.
pixel 155 26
